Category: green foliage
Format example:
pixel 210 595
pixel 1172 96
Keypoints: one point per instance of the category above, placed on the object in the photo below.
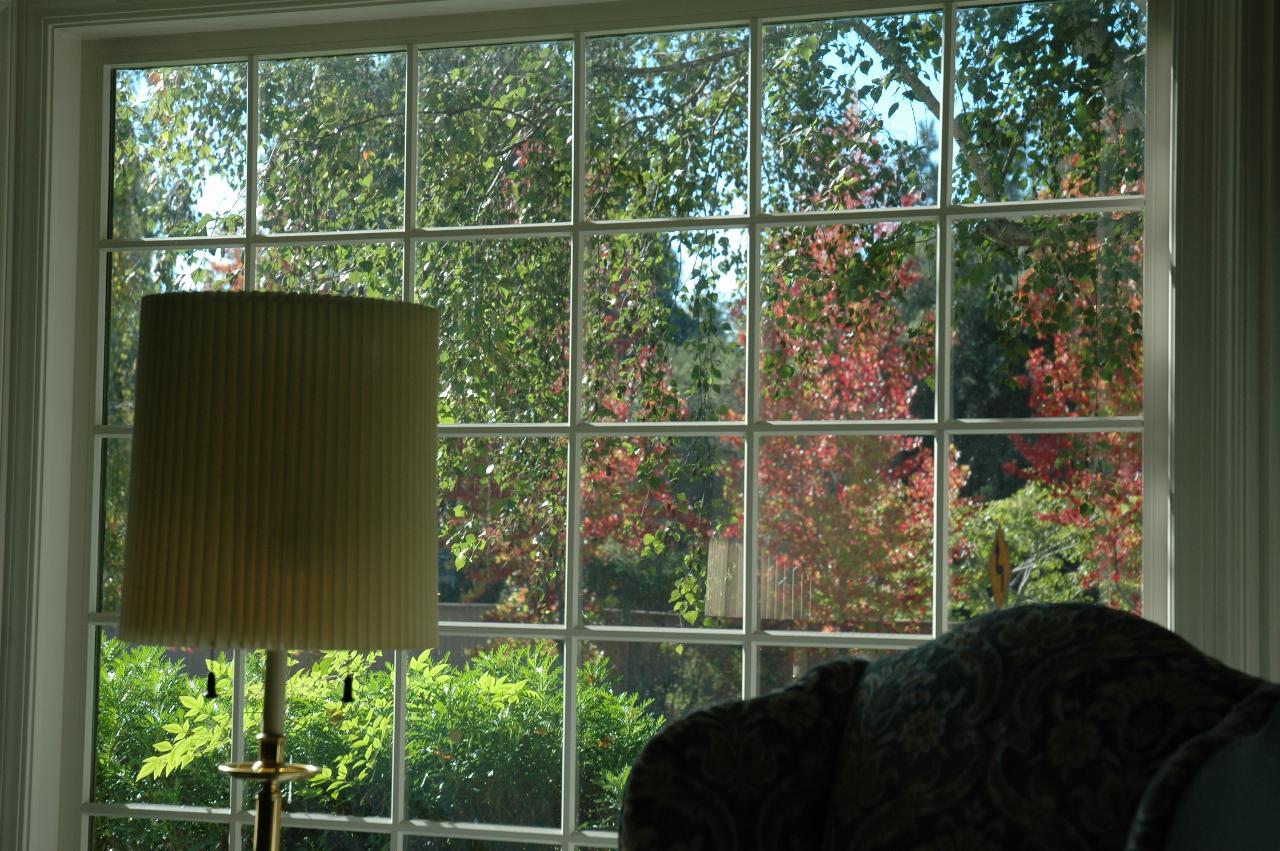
pixel 142 693
pixel 1051 100
pixel 484 738
pixel 178 131
pixel 331 154
pixel 494 129
pixel 1045 555
pixel 667 117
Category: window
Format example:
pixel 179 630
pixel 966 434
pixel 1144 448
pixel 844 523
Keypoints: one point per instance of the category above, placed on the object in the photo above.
pixel 755 337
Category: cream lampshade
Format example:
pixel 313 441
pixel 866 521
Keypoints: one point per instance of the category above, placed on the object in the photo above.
pixel 282 484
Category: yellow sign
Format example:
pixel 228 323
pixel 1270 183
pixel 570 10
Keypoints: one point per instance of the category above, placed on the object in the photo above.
pixel 999 569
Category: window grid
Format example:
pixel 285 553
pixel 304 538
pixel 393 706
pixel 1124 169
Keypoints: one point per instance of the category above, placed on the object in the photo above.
pixel 942 399
pixel 572 631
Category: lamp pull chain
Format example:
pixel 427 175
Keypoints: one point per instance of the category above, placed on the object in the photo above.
pixel 347 696
pixel 211 682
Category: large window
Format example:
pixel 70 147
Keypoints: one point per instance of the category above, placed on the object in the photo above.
pixel 755 339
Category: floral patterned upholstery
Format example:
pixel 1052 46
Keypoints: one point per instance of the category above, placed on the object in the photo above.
pixel 1040 726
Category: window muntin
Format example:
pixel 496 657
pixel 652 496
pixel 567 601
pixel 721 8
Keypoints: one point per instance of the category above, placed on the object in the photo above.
pixel 928 478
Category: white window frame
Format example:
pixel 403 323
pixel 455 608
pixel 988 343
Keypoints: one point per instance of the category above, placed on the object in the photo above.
pixel 78 51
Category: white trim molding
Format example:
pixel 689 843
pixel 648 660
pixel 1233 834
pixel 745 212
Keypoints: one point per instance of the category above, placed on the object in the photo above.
pixel 1226 275
pixel 12 629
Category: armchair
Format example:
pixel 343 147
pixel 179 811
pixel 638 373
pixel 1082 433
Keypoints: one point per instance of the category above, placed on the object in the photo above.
pixel 1065 726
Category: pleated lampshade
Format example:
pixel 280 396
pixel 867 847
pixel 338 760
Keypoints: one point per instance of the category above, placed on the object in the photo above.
pixel 282 481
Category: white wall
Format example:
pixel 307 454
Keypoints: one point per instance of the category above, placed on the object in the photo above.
pixel 1226 284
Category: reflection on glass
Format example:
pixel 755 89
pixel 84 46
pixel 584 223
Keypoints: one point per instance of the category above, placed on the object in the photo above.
pixel 1047 316
pixel 504 327
pixel 111 834
pixel 626 693
pixel 350 742
pixel 661 530
pixel 665 326
pixel 846 533
pixel 851 112
pixel 502 528
pixel 1069 507
pixel 157 738
pixel 374 270
pixel 178 150
pixel 331 143
pixel 783 666
pixel 135 274
pixel 848 314
pixel 485 732
pixel 114 506
pixel 1050 100
pixel 667 123
pixel 494 133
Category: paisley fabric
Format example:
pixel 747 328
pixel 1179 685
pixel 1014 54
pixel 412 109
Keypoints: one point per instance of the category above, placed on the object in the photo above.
pixel 1037 727
pixel 751 775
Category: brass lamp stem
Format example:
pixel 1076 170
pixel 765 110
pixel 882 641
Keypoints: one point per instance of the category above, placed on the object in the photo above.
pixel 270 769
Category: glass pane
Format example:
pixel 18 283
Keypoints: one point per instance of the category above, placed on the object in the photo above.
pixel 158 739
pixel 485 732
pixel 627 692
pixel 848 314
pixel 433 843
pixel 350 742
pixel 1047 316
pixel 113 520
pixel 494 134
pixel 502 528
pixel 117 834
pixel 665 324
pixel 331 143
pixel 851 112
pixel 375 270
pixel 662 531
pixel 667 123
pixel 846 533
pixel 783 666
pixel 178 157
pixel 300 839
pixel 504 327
pixel 1070 509
pixel 1050 100
pixel 138 273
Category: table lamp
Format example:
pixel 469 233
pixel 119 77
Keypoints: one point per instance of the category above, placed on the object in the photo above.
pixel 282 490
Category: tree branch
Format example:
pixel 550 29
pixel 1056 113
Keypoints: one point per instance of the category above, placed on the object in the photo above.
pixel 894 57
pixel 638 71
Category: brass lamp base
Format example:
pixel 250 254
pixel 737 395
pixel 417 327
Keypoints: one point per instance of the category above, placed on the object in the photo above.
pixel 270 770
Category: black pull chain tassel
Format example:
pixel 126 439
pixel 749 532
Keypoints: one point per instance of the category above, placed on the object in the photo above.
pixel 347 696
pixel 210 687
